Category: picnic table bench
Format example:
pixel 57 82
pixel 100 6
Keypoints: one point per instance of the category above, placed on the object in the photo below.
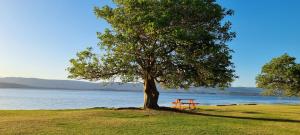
pixel 188 104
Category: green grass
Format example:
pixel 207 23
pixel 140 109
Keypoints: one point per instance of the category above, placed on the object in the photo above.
pixel 260 119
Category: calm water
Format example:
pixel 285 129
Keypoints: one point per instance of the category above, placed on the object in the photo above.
pixel 71 99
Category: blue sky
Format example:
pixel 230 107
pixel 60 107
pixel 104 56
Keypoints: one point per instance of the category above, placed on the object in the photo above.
pixel 38 37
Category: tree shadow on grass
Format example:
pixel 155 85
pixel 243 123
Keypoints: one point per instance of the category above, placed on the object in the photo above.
pixel 226 116
pixel 253 112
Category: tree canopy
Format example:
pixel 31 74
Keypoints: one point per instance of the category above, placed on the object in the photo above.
pixel 177 43
pixel 280 77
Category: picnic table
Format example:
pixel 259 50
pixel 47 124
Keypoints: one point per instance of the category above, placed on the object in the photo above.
pixel 182 104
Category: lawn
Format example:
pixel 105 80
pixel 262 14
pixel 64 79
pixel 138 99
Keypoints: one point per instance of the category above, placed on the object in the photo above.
pixel 246 119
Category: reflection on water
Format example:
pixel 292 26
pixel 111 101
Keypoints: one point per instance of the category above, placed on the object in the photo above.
pixel 71 99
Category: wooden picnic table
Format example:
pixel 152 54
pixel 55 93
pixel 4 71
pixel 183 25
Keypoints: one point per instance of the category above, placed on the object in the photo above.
pixel 178 104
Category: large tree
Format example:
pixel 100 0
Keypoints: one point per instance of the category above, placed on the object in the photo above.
pixel 177 43
pixel 280 77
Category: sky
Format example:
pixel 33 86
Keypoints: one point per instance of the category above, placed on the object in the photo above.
pixel 39 37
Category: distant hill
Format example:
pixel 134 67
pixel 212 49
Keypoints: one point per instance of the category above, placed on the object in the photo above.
pixel 12 85
pixel 16 82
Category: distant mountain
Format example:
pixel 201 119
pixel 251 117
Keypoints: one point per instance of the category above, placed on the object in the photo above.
pixel 16 82
pixel 65 84
pixel 12 85
pixel 51 84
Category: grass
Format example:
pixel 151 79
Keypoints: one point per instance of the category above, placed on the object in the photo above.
pixel 245 120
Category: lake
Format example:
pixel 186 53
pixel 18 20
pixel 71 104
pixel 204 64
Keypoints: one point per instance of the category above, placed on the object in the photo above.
pixel 27 99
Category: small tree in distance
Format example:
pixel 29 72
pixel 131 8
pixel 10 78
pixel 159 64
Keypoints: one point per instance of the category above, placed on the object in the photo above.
pixel 280 77
pixel 177 43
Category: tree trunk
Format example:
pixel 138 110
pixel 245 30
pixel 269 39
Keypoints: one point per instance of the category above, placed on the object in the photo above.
pixel 150 94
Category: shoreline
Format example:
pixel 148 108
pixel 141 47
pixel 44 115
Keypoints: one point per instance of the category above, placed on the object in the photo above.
pixel 141 108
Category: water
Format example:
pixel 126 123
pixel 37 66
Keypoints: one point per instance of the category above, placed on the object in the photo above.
pixel 12 99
